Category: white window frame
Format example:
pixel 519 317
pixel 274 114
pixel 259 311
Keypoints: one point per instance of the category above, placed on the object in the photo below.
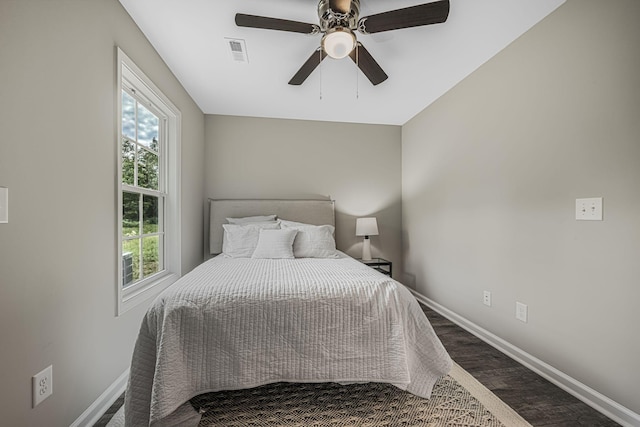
pixel 129 76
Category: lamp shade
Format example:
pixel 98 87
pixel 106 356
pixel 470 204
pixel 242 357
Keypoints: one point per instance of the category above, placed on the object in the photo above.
pixel 338 42
pixel 366 227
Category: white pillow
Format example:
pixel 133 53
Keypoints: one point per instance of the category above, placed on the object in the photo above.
pixel 239 241
pixel 275 244
pixel 313 241
pixel 250 219
pixel 292 223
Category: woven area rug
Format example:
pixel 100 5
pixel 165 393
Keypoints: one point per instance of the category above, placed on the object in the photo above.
pixel 457 400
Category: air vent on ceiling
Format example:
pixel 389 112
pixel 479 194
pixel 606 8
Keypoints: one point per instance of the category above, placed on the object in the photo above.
pixel 238 50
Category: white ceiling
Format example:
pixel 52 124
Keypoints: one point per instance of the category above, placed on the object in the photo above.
pixel 422 63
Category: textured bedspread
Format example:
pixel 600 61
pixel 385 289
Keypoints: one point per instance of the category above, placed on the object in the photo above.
pixel 240 323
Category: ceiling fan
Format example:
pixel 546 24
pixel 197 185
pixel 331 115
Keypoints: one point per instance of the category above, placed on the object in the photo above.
pixel 338 19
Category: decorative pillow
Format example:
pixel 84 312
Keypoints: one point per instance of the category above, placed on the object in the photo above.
pixel 251 219
pixel 275 244
pixel 239 241
pixel 313 241
pixel 293 223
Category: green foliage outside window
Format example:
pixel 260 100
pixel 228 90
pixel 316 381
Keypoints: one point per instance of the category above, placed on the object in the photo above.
pixel 140 168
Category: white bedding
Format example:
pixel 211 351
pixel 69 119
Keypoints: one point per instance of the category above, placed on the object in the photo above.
pixel 239 323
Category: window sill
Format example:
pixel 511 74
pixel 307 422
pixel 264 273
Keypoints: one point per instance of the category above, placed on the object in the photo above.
pixel 130 298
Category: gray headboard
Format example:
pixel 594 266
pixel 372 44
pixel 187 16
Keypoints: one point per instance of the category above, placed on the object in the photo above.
pixel 317 212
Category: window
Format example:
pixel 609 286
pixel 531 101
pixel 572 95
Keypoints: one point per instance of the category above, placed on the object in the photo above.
pixel 148 182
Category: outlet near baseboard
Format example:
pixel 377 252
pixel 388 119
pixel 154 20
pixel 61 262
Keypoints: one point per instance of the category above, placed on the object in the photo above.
pixel 42 385
pixel 486 298
pixel 521 311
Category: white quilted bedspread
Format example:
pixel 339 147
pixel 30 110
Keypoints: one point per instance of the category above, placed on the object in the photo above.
pixel 240 323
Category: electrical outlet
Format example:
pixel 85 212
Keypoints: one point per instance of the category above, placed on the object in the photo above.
pixel 521 311
pixel 4 205
pixel 42 385
pixel 486 298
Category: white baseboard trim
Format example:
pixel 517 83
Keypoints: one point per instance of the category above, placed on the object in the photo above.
pixel 102 403
pixel 596 400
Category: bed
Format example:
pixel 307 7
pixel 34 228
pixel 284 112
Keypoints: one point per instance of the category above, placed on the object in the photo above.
pixel 298 312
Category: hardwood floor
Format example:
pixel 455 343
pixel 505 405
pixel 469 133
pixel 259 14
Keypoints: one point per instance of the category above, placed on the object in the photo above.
pixel 540 402
pixel 537 400
pixel 106 417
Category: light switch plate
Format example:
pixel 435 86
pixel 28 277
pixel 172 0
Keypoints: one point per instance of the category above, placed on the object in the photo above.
pixel 4 205
pixel 589 209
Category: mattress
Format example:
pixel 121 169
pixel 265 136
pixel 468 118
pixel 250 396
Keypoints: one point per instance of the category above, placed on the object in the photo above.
pixel 235 323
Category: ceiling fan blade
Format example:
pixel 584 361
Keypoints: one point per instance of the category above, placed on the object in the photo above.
pixel 368 65
pixel 340 6
pixel 264 22
pixel 307 68
pixel 414 16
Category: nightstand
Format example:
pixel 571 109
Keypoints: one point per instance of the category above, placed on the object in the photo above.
pixel 379 264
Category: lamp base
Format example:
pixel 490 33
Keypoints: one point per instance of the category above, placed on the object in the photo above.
pixel 366 249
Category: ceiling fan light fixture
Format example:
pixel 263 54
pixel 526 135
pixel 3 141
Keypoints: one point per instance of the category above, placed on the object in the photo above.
pixel 338 42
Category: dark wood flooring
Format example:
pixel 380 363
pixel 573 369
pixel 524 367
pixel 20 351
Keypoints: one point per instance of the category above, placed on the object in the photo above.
pixel 106 417
pixel 537 400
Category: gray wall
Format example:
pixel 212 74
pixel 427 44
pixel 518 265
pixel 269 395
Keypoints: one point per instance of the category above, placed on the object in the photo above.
pixel 490 176
pixel 357 165
pixel 58 158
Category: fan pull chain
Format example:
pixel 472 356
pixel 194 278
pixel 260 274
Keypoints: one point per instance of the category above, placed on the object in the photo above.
pixel 320 53
pixel 357 71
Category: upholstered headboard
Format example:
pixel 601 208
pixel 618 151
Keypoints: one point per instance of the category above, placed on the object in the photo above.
pixel 317 212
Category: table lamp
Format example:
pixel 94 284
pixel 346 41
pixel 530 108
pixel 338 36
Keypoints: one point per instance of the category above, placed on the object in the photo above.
pixel 366 227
